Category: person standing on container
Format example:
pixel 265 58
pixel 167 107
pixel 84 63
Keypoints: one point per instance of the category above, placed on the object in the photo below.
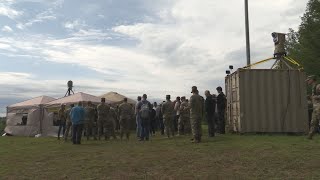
pixel 196 114
pixel 221 106
pixel 312 80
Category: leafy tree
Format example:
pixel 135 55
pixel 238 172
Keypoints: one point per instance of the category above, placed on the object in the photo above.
pixel 304 45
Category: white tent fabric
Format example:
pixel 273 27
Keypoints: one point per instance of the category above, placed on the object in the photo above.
pixel 32 110
pixel 74 99
pixel 116 98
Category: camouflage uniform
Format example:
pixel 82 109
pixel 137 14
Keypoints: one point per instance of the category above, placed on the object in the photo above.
pixel 316 110
pixel 90 114
pixel 110 124
pixel 62 121
pixel 103 113
pixel 184 119
pixel 125 112
pixel 196 115
pixel 168 117
pixel 68 124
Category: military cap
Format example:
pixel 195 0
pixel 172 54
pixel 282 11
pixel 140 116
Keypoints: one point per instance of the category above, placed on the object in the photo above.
pixel 194 89
pixel 168 96
pixel 311 77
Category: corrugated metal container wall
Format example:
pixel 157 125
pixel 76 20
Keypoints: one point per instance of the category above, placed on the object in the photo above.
pixel 265 100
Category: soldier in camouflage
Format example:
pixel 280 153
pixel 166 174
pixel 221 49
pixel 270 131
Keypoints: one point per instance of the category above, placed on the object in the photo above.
pixel 312 80
pixel 68 122
pixel 184 116
pixel 125 112
pixel 110 125
pixel 103 113
pixel 196 114
pixel 187 125
pixel 168 116
pixel 90 114
pixel 62 120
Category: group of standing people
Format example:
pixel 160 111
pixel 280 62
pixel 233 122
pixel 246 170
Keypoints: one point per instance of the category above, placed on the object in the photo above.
pixel 181 116
pixel 95 121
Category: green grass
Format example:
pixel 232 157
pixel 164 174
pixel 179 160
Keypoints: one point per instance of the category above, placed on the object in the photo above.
pixel 222 157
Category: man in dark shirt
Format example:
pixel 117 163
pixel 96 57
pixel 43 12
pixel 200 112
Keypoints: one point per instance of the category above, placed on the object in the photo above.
pixel 221 106
pixel 210 106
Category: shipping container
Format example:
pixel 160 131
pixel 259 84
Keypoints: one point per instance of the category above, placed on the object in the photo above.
pixel 266 101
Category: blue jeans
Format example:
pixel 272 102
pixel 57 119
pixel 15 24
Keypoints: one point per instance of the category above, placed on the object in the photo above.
pixel 145 129
pixel 138 122
pixel 62 125
pixel 77 133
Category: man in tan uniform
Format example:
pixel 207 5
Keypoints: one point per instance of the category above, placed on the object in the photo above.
pixel 90 114
pixel 168 116
pixel 125 112
pixel 196 114
pixel 184 116
pixel 312 80
pixel 103 113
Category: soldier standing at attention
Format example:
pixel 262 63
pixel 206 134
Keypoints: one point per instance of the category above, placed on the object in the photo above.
pixel 90 114
pixel 168 116
pixel 110 125
pixel 196 114
pixel 103 112
pixel 312 80
pixel 125 112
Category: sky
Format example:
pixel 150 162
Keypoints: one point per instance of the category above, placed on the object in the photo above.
pixel 131 46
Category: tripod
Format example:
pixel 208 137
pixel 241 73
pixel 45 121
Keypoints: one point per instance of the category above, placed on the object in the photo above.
pixel 69 92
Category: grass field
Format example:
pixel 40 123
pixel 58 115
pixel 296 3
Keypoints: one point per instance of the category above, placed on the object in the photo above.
pixel 221 157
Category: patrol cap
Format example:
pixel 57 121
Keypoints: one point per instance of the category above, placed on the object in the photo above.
pixel 194 89
pixel 311 77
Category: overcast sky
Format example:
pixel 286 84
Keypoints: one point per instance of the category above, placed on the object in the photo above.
pixel 133 47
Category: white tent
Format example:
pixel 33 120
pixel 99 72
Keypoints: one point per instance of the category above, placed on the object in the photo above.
pixel 117 98
pixel 53 106
pixel 26 118
pixel 74 99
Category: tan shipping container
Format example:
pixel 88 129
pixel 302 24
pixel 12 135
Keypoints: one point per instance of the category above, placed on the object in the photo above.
pixel 267 101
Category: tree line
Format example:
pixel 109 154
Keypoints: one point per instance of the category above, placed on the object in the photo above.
pixel 303 45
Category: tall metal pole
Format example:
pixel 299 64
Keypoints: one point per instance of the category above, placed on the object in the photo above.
pixel 247 31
